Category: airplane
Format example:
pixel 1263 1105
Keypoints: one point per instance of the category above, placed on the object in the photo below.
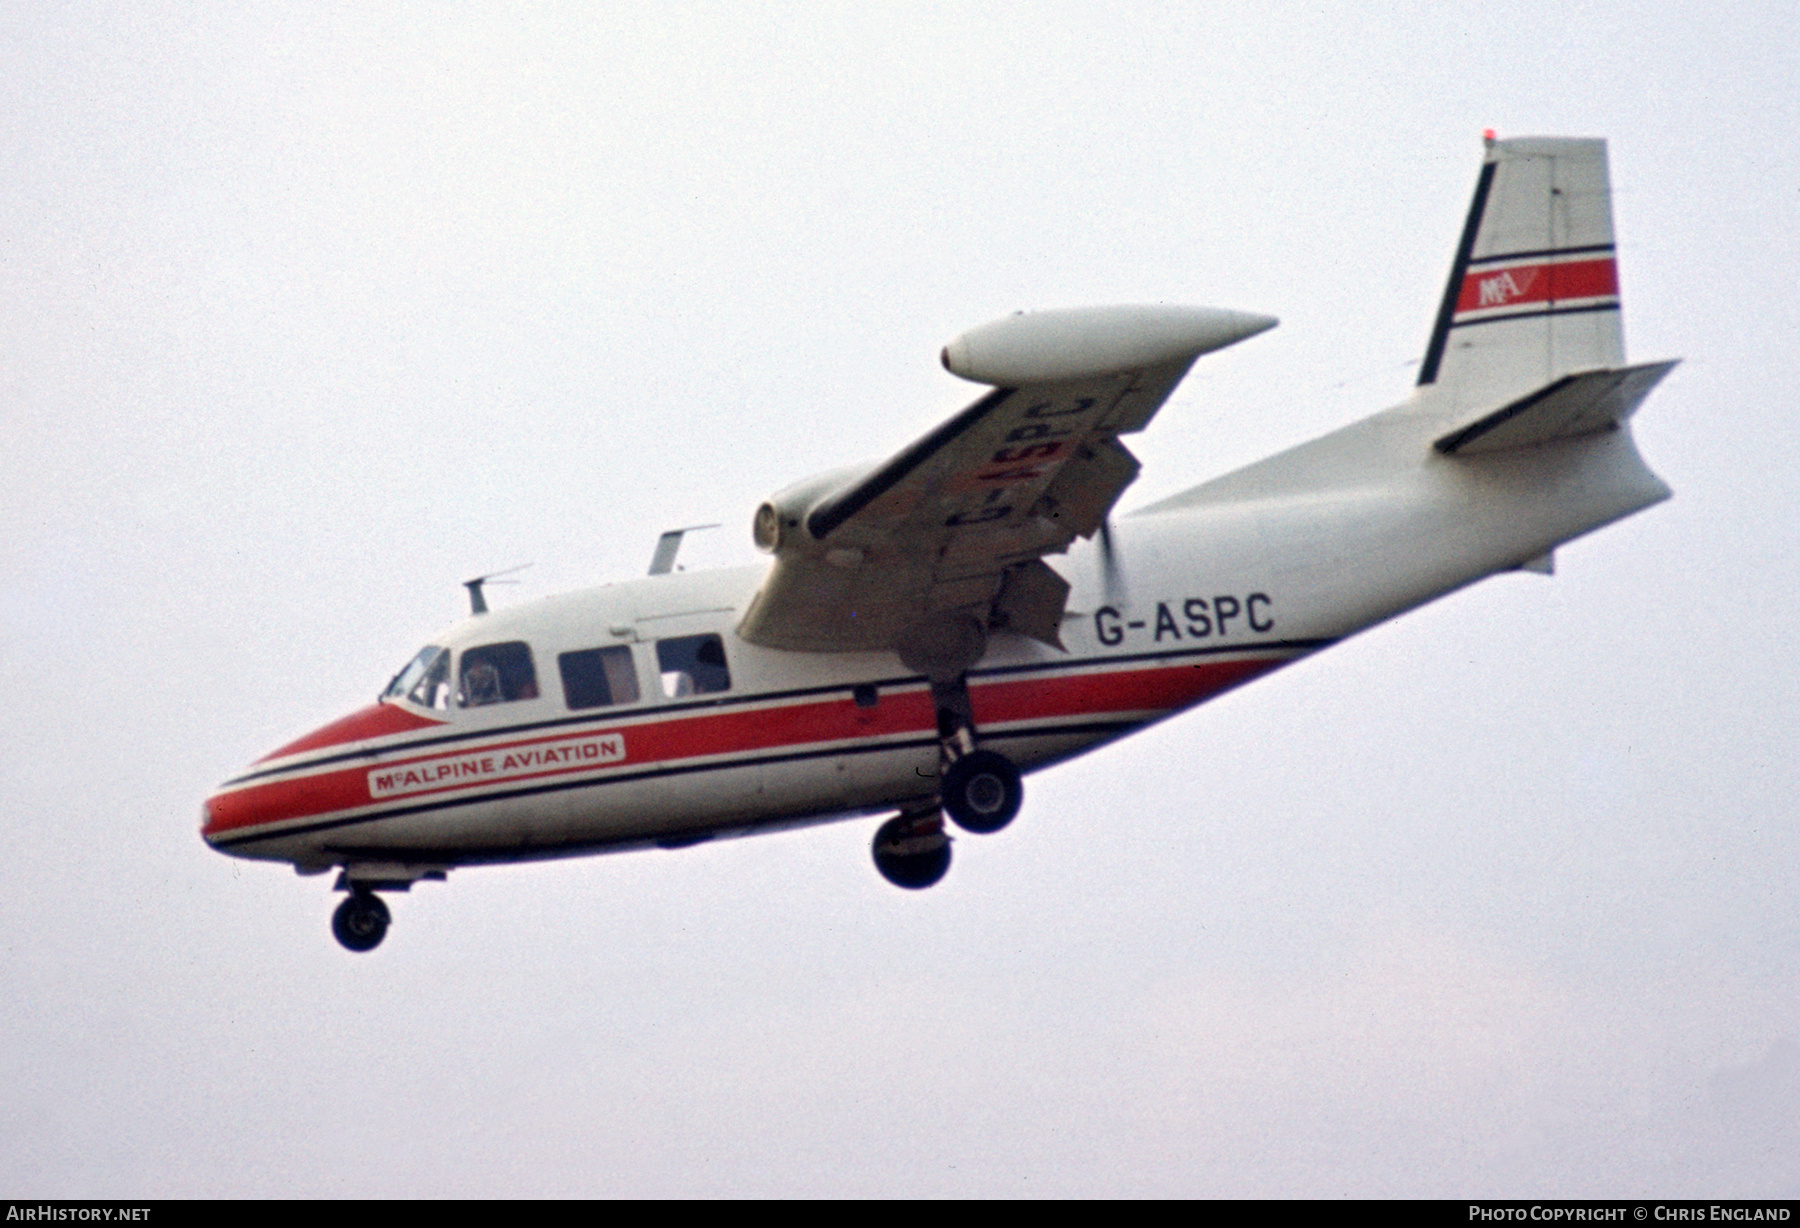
pixel 909 652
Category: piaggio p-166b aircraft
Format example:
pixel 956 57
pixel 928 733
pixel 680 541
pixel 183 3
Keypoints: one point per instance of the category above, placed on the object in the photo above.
pixel 910 652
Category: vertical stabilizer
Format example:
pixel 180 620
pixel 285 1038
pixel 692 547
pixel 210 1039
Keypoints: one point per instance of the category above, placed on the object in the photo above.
pixel 1534 291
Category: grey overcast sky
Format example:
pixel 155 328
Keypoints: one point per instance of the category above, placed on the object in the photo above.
pixel 309 311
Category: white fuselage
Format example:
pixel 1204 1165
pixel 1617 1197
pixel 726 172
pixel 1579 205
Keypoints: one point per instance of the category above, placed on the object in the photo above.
pixel 1202 592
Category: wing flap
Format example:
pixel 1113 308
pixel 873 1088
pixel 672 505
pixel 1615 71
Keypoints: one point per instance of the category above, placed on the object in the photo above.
pixel 1088 486
pixel 1031 601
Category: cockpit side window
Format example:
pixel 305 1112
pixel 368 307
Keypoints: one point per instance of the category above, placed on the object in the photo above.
pixel 692 665
pixel 598 677
pixel 425 681
pixel 496 674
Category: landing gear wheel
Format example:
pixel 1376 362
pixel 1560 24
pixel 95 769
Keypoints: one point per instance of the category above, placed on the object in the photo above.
pixel 361 921
pixel 912 850
pixel 982 792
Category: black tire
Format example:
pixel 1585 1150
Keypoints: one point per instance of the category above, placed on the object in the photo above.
pixel 361 921
pixel 912 851
pixel 982 792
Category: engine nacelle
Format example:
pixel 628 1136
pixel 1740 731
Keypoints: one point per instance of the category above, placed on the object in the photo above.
pixel 777 521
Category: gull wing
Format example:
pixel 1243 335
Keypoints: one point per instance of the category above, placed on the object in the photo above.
pixel 952 530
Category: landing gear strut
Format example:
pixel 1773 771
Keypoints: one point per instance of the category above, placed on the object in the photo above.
pixel 980 789
pixel 361 921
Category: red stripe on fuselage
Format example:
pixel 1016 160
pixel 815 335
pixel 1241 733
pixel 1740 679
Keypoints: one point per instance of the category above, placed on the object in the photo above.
pixel 1523 284
pixel 684 735
pixel 695 735
pixel 1140 690
pixel 374 721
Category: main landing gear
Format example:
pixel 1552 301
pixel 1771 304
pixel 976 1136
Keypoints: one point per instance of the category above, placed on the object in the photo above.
pixel 979 789
pixel 361 921
pixel 912 850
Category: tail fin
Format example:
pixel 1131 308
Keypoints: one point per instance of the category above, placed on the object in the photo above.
pixel 1534 291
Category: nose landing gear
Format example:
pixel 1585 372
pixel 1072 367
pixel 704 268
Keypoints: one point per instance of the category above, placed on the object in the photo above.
pixel 361 921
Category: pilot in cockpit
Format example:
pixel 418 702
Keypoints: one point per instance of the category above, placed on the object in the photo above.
pixel 496 674
pixel 480 684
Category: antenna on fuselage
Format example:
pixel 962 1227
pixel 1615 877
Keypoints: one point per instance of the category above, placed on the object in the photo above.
pixel 663 561
pixel 478 601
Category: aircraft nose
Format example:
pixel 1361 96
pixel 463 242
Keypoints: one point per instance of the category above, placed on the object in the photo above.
pixel 225 811
pixel 250 809
pixel 309 777
pixel 250 804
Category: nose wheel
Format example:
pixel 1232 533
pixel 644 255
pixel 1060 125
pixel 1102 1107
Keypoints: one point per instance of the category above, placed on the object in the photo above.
pixel 361 921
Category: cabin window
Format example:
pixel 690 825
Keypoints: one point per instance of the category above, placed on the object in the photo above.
pixel 598 677
pixel 496 674
pixel 692 665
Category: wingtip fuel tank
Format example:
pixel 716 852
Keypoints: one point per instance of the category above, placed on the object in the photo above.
pixel 1087 342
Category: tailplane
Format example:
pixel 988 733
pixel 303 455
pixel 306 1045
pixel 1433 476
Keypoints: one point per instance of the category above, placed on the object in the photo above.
pixel 1566 408
pixel 1533 294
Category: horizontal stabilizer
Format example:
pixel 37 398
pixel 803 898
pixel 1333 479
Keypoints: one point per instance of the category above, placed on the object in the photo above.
pixel 1562 409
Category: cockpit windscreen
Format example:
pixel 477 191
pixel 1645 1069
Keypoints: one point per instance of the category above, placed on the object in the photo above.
pixel 425 680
